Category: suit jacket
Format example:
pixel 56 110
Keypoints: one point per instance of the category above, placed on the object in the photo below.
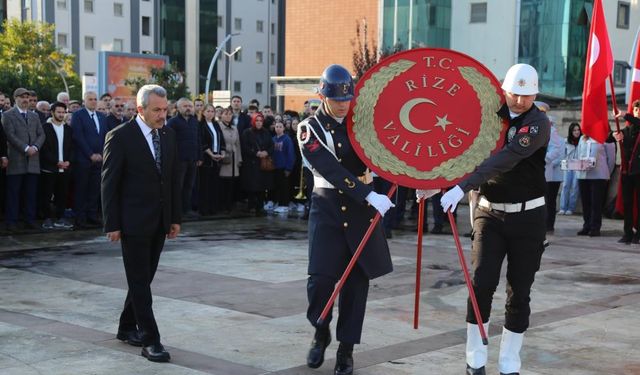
pixel 87 140
pixel 135 197
pixel 206 142
pixel 188 137
pixel 244 122
pixel 113 121
pixel 49 153
pixel 19 136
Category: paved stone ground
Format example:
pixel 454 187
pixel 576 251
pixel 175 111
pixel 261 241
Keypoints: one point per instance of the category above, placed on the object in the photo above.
pixel 230 299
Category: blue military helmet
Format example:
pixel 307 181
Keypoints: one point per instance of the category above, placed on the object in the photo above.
pixel 336 83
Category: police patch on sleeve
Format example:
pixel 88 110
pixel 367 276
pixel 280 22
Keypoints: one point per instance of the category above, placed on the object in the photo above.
pixel 524 141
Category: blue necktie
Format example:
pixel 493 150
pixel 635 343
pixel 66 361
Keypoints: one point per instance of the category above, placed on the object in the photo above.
pixel 95 123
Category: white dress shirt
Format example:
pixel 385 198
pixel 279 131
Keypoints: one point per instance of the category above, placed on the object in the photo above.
pixel 146 131
pixel 59 129
pixel 214 135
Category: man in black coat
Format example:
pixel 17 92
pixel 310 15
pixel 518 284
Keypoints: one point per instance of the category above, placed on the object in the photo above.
pixel 343 204
pixel 55 163
pixel 141 205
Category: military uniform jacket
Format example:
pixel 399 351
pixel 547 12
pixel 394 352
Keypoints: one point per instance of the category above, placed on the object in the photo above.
pixel 340 216
pixel 515 173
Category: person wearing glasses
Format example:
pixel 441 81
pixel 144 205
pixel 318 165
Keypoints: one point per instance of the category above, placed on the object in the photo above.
pixel 116 113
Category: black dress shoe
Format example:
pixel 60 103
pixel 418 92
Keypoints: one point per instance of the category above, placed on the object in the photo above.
pixel 437 230
pixel 592 233
pixel 321 340
pixel 133 337
pixel 511 373
pixel 583 232
pixel 155 353
pixel 30 225
pixel 475 371
pixel 635 239
pixel 625 240
pixel 344 362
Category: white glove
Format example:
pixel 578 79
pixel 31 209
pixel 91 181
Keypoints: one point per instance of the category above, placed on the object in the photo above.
pixel 451 198
pixel 380 202
pixel 424 194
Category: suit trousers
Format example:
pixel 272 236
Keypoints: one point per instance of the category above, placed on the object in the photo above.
pixel 87 191
pixel 352 303
pixel 209 189
pixel 57 185
pixel 141 255
pixel 187 171
pixel 16 183
pixel 592 193
pixel 519 237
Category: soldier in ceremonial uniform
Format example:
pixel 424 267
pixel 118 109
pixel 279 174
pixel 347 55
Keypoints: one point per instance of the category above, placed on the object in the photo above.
pixel 343 205
pixel 508 221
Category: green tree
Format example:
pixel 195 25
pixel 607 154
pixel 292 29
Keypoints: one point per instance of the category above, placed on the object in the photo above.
pixel 29 58
pixel 365 53
pixel 168 77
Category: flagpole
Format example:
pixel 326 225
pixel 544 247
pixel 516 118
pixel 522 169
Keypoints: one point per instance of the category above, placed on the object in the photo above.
pixel 615 106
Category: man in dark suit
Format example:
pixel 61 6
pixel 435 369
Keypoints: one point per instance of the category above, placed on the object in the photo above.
pixel 241 120
pixel 141 205
pixel 89 129
pixel 187 132
pixel 116 113
pixel 24 140
pixel 55 163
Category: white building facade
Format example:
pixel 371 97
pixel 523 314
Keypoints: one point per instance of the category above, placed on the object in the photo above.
pixel 85 27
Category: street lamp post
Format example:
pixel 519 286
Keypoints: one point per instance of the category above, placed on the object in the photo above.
pixel 229 56
pixel 213 61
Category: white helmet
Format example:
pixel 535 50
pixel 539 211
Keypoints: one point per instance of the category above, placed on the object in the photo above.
pixel 521 79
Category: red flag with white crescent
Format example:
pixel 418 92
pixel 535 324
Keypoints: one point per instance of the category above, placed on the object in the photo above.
pixel 634 90
pixel 595 114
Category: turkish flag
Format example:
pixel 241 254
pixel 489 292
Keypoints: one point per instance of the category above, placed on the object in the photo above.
pixel 634 90
pixel 595 112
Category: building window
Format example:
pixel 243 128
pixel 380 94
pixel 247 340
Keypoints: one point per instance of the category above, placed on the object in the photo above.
pixel 237 56
pixel 237 23
pixel 623 15
pixel 620 73
pixel 61 4
pixel 258 87
pixel 62 40
pixel 237 86
pixel 258 57
pixel 260 26
pixel 273 28
pixel 118 45
pixel 118 10
pixel 88 42
pixel 478 13
pixel 219 21
pixel 146 26
pixel 273 58
pixel 88 6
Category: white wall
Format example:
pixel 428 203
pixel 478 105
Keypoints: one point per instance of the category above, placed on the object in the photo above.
pixel 621 39
pixel 248 71
pixel 492 43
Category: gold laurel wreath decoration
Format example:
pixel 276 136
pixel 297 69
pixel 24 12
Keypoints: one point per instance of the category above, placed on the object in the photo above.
pixel 483 144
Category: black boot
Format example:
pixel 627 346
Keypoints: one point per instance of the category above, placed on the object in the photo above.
pixel 321 340
pixel 475 371
pixel 344 360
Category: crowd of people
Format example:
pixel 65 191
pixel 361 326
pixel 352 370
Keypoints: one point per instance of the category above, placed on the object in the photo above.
pixel 240 158
pixel 51 167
